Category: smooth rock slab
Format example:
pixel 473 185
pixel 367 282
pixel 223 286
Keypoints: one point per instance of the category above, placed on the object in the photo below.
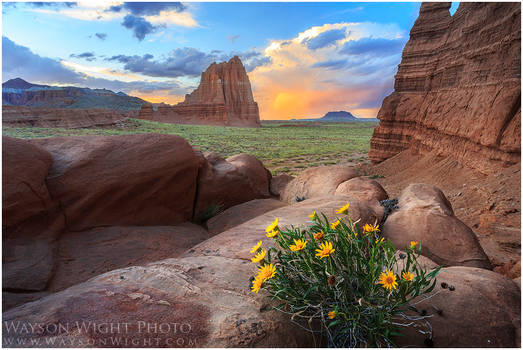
pixel 425 216
pixel 237 242
pixel 317 182
pixel 482 311
pixel 86 254
pixel 241 213
pixel 207 298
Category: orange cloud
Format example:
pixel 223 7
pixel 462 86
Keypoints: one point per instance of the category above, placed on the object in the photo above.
pixel 296 85
pixel 158 96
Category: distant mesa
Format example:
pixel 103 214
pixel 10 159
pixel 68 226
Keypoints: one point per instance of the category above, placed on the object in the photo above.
pixel 224 97
pixel 339 117
pixel 18 92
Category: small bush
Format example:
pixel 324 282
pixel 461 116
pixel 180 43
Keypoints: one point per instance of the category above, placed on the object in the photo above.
pixel 343 277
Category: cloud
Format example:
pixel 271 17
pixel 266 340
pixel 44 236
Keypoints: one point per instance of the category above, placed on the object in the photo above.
pixel 101 36
pixel 338 66
pixel 331 64
pixel 19 61
pixel 146 16
pixel 185 61
pixel 139 26
pixel 375 46
pixel 88 56
pixel 326 38
pixel 233 38
pixel 51 4
pixel 148 8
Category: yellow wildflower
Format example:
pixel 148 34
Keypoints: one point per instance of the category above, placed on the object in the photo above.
pixel 256 247
pixel 388 280
pixel 379 240
pixel 313 215
pixel 413 244
pixel 332 314
pixel 256 284
pixel 299 244
pixel 335 224
pixel 344 209
pixel 259 257
pixel 325 250
pixel 272 233
pixel 266 271
pixel 318 235
pixel 407 276
pixel 273 226
pixel 370 228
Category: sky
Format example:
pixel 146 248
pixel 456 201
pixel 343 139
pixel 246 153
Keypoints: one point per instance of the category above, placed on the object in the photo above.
pixel 303 59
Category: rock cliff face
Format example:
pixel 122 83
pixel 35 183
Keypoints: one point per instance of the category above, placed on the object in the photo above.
pixel 224 97
pixel 458 88
pixel 17 116
pixel 18 92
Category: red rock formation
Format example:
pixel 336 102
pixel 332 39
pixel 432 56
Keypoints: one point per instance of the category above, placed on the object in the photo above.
pixel 142 180
pixel 224 97
pixel 458 87
pixel 18 116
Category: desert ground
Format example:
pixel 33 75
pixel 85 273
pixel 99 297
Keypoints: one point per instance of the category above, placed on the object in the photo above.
pixel 283 147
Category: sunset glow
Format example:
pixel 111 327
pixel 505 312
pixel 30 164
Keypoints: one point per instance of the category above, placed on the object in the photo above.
pixel 307 58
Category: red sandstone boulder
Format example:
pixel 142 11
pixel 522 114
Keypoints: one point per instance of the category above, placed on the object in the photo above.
pixel 236 243
pixel 478 309
pixel 225 183
pixel 241 213
pixel 363 189
pixel 10 300
pixel 147 179
pixel 86 254
pixel 426 216
pixel 254 171
pixel 207 299
pixel 317 182
pixel 27 263
pixel 24 193
pixel 207 291
pixel 279 182
pixel 30 220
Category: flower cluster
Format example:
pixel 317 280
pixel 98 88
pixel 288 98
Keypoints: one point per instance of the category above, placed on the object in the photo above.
pixel 265 272
pixel 343 273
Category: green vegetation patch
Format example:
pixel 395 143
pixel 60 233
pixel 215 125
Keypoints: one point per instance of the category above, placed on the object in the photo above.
pixel 291 148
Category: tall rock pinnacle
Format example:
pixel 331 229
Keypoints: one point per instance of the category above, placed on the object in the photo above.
pixel 224 97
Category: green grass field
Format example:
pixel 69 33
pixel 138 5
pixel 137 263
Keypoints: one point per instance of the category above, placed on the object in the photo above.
pixel 283 149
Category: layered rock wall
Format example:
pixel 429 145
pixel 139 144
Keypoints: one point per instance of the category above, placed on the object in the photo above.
pixel 458 87
pixel 224 97
pixel 18 116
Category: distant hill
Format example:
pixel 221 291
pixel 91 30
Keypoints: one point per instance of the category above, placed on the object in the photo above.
pixel 18 83
pixel 18 92
pixel 338 117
